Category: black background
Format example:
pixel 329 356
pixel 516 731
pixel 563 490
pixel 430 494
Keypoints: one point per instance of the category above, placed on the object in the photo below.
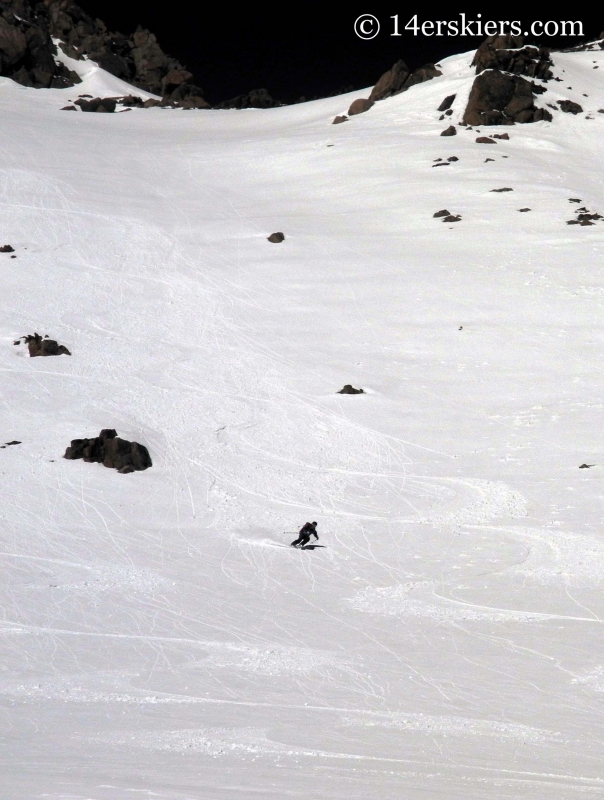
pixel 304 50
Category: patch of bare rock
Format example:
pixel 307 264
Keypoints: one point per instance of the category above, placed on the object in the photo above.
pixel 584 217
pixel 42 346
pixel 500 95
pixel 111 451
pixel 450 131
pixel 276 238
pixel 348 389
pixel 446 216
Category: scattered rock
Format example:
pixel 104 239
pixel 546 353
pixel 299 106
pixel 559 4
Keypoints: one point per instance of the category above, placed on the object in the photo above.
pixel 569 107
pixel 442 164
pixel 339 119
pixel 9 444
pixel 497 98
pixel 485 140
pixel 100 105
pixel 586 466
pixel 359 106
pixel 452 218
pixel 39 346
pixel 442 213
pixel 452 158
pixel 504 189
pixel 348 389
pixel 450 131
pixel 111 451
pixel 69 108
pixel 574 199
pixel 488 159
pixel 276 238
pixel 501 136
pixel 447 102
pixel 524 209
pixel 7 249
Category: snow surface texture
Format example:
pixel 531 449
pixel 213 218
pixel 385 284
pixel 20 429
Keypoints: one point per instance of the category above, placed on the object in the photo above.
pixel 159 637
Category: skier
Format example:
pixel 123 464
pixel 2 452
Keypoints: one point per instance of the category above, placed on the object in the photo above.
pixel 306 531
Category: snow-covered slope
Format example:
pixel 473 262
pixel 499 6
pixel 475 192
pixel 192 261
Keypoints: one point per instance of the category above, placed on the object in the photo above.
pixel 159 637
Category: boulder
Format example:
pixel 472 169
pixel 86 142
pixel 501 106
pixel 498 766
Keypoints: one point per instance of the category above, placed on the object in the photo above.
pixel 6 248
pixel 398 79
pixel 452 218
pixel 348 389
pixel 447 102
pixel 505 136
pixel 110 451
pixel 497 98
pixel 100 105
pixel 339 119
pixel 69 108
pixel 359 106
pixel 391 82
pixel 43 346
pixel 569 107
pixel 450 131
pixel 442 213
pixel 485 140
pixel 276 238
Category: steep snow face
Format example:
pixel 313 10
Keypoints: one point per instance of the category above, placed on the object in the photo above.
pixel 158 634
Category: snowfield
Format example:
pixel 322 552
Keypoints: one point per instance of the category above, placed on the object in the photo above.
pixel 159 638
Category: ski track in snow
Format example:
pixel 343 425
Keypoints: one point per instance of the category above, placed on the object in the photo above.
pixel 149 616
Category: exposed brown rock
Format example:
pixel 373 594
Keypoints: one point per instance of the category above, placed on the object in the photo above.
pixel 450 131
pixel 452 218
pixel 111 451
pixel 276 238
pixel 6 248
pixel 507 53
pixel 391 82
pixel 504 189
pixel 485 140
pixel 43 346
pixel 501 136
pixel 339 119
pixel 447 102
pixel 569 107
pixel 348 389
pixel 497 98
pixel 359 106
pixel 100 105
pixel 442 213
pixel 69 108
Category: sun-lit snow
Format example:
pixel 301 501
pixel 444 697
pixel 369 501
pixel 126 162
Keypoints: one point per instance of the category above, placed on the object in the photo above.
pixel 159 637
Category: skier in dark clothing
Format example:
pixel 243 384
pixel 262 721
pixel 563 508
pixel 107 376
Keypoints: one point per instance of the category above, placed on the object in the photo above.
pixel 306 531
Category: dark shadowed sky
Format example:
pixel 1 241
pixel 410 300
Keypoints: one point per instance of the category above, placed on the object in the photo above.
pixel 306 50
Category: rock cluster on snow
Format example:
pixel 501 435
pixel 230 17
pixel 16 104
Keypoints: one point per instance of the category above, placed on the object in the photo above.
pixel 111 451
pixel 583 216
pixel 28 54
pixel 399 78
pixel 43 346
pixel 500 95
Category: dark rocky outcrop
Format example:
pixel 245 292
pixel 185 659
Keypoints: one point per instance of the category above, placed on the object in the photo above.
pixel 398 79
pixel 111 451
pixel 452 218
pixel 569 107
pixel 257 98
pixel 339 119
pixel 485 140
pixel 503 189
pixel 391 82
pixel 28 55
pixel 359 106
pixel 497 98
pixel 348 389
pixel 442 213
pixel 507 53
pixel 43 346
pixel 450 131
pixel 276 238
pixel 6 248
